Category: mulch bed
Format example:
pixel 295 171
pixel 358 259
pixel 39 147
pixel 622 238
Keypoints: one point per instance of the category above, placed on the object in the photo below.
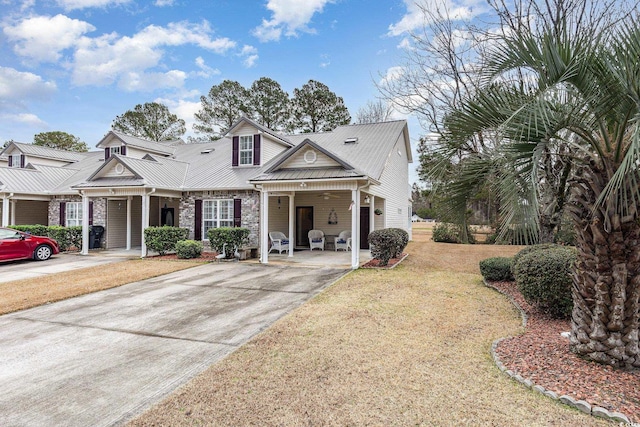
pixel 544 356
pixel 204 257
pixel 375 263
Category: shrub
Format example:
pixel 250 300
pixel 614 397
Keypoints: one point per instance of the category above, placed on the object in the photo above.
pixel 233 237
pixel 528 250
pixel 496 269
pixel 187 249
pixel 445 233
pixel 544 279
pixel 163 239
pixel 387 243
pixel 66 237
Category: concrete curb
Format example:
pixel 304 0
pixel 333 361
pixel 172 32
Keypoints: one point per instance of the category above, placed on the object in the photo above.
pixel 581 405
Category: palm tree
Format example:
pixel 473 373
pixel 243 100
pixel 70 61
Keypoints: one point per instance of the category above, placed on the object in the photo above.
pixel 581 91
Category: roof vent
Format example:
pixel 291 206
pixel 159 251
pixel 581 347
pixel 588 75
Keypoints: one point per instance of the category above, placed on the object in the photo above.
pixel 207 151
pixel 352 140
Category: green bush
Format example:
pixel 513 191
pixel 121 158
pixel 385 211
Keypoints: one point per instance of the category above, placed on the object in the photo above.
pixel 544 279
pixel 67 237
pixel 445 233
pixel 233 237
pixel 402 240
pixel 386 243
pixel 187 249
pixel 496 269
pixel 528 250
pixel 163 239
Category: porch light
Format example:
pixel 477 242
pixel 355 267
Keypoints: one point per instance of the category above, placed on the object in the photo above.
pixel 367 199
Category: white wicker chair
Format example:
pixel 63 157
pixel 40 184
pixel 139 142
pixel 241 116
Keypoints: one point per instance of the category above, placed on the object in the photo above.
pixel 316 239
pixel 343 241
pixel 279 241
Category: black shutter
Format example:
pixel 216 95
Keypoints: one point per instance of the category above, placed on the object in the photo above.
pixel 22 160
pixel 107 153
pixel 90 213
pixel 256 149
pixel 237 212
pixel 123 150
pixel 235 153
pixel 10 161
pixel 197 227
pixel 63 214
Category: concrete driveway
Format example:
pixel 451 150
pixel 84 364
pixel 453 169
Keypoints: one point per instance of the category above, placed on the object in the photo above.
pixel 100 359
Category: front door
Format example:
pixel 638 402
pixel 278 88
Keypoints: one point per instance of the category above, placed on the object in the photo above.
pixel 304 223
pixel 166 216
pixel 364 227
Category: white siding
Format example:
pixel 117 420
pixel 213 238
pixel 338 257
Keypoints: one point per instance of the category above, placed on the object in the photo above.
pixel 298 160
pixel 279 214
pixel 110 172
pixel 268 147
pixel 30 212
pixel 45 162
pixel 393 187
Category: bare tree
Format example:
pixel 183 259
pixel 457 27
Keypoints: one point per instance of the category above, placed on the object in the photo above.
pixel 374 112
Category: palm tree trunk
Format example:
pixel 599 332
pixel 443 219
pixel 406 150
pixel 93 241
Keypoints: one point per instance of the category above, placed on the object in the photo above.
pixel 606 282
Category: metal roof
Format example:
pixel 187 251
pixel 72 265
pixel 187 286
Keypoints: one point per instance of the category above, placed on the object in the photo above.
pixel 311 173
pixel 46 152
pixel 164 147
pixel 280 138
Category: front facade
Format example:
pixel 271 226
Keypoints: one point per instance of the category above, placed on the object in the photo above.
pixel 354 178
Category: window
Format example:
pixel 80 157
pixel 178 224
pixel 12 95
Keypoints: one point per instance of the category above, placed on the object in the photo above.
pixel 73 215
pixel 246 150
pixel 16 160
pixel 114 150
pixel 216 214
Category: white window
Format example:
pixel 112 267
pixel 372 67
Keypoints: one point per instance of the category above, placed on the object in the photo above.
pixel 16 160
pixel 73 213
pixel 216 214
pixel 114 150
pixel 246 150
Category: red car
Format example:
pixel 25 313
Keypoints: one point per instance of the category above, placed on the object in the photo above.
pixel 18 245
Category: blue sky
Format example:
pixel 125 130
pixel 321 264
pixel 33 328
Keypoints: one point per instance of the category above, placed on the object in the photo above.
pixel 74 65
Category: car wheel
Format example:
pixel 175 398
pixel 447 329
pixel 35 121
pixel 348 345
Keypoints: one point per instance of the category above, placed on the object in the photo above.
pixel 42 253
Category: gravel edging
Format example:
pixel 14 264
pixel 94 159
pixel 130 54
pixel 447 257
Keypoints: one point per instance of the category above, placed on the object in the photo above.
pixel 581 405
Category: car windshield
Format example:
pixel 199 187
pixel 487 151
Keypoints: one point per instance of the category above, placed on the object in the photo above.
pixel 9 234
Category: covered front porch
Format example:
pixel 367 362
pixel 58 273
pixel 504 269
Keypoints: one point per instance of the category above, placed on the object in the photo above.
pixel 295 208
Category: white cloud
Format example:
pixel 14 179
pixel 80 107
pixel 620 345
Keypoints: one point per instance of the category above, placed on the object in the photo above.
pixel 162 3
pixel 405 43
pixel 205 70
pixel 43 38
pixel 18 86
pixel 288 17
pixel 393 73
pixel 26 118
pixel 147 82
pixel 250 54
pixel 326 60
pixel 250 61
pixel 83 4
pixel 103 60
pixel 184 109
pixel 415 18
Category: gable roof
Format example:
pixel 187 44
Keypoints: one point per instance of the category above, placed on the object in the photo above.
pixel 44 152
pixel 242 120
pixel 306 143
pixel 166 148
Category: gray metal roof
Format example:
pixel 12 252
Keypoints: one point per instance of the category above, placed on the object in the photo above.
pixel 311 173
pixel 47 153
pixel 281 138
pixel 165 147
pixel 112 183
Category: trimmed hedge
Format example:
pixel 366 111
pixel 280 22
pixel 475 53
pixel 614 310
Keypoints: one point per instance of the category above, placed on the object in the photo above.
pixel 67 237
pixel 187 249
pixel 387 243
pixel 496 269
pixel 233 237
pixel 528 250
pixel 163 239
pixel 544 279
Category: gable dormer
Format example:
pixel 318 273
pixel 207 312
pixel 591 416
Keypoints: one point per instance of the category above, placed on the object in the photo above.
pixel 15 159
pixel 246 150
pixel 116 143
pixel 254 144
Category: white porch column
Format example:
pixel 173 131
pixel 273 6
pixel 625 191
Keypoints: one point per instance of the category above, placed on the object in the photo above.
pixel 355 229
pixel 129 199
pixel 85 225
pixel 292 213
pixel 264 227
pixel 145 222
pixel 5 211
pixel 12 203
pixel 372 216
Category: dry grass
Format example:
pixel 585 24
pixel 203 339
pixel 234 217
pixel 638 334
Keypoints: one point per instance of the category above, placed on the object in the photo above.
pixel 20 294
pixel 408 346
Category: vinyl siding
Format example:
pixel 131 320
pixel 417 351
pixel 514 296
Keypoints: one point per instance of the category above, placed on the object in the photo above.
pixel 269 148
pixel 30 212
pixel 298 161
pixel 46 162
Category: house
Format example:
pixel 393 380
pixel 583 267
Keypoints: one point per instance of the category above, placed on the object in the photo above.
pixel 252 177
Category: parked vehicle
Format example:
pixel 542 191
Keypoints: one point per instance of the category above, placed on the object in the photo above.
pixel 18 245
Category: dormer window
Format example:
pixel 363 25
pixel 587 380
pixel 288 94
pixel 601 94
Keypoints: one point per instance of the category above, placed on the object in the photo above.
pixel 116 149
pixel 246 150
pixel 16 161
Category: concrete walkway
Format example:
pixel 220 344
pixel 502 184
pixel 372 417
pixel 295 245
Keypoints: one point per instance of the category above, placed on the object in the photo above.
pixel 100 359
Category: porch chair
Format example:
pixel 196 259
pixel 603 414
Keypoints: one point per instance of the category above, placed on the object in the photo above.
pixel 279 241
pixel 316 239
pixel 343 241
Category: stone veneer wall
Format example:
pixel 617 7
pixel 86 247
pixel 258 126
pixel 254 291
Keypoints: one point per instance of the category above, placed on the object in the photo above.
pixel 250 210
pixel 99 209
